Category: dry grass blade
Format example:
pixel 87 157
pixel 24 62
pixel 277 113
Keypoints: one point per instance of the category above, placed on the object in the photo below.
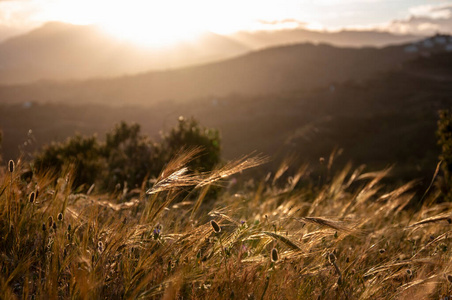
pixel 337 225
pixel 199 201
pixel 396 193
pixel 169 198
pixel 181 159
pixel 431 184
pixel 222 214
pixel 355 175
pixel 174 175
pixel 283 239
pixel 409 285
pixel 174 180
pixel 376 176
pixel 382 268
pixel 281 170
pixel 436 240
pixel 434 219
pixel 121 206
pixel 233 167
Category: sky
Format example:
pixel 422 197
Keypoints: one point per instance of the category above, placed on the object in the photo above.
pixel 169 20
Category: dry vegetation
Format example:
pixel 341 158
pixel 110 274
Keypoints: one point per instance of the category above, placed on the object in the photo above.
pixel 278 238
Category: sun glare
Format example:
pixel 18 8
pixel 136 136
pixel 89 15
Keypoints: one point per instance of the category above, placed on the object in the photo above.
pixel 150 25
pixel 143 22
pixel 163 23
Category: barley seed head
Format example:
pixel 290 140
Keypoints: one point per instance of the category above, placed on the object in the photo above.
pixel 60 217
pixel 449 278
pixel 215 226
pixel 331 258
pixel 274 255
pixel 11 165
pixel 100 246
pixel 31 198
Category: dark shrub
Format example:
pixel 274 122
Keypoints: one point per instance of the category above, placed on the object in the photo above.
pixel 127 156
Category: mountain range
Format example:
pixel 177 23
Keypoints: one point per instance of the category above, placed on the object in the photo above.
pixel 344 38
pixel 375 103
pixel 262 72
pixel 388 118
pixel 59 51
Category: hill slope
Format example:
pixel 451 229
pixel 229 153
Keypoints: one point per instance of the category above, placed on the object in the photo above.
pixel 274 70
pixel 62 51
pixel 59 51
pixel 344 38
pixel 390 118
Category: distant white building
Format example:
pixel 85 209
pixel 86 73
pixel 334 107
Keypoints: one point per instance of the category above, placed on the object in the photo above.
pixel 27 104
pixel 440 40
pixel 411 49
pixel 428 43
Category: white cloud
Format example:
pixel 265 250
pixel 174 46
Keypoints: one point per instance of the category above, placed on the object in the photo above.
pixel 16 18
pixel 425 20
pixel 431 11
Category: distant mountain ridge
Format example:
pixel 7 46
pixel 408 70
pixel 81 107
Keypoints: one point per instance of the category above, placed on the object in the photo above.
pixel 269 71
pixel 59 51
pixel 388 118
pixel 343 38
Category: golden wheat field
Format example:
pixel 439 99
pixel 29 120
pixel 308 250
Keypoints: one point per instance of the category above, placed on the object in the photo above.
pixel 277 237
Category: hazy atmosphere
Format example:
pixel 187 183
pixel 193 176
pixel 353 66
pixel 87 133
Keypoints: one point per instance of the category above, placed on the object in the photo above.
pixel 225 149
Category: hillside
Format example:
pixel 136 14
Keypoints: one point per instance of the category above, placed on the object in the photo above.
pixel 376 121
pixel 59 51
pixel 268 71
pixel 343 38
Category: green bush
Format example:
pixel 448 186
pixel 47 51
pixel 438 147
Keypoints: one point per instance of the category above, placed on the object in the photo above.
pixel 128 157
pixel 82 153
pixel 188 133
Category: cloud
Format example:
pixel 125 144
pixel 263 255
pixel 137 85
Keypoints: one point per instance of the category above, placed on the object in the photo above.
pixel 288 23
pixel 284 21
pixel 425 20
pixel 17 18
pixel 433 12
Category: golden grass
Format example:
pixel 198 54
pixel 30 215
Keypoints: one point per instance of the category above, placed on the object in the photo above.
pixel 279 238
